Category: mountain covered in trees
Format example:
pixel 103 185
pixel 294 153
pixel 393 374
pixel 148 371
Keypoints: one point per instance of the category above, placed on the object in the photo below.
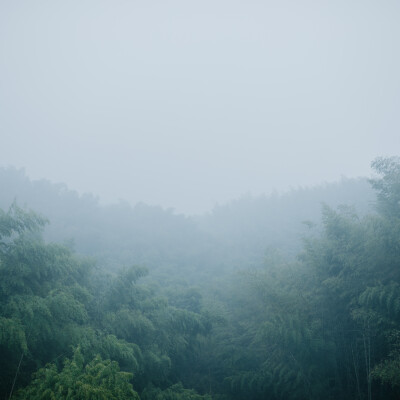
pixel 288 296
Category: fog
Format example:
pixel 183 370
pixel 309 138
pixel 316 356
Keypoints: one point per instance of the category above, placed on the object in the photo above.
pixel 186 104
pixel 199 200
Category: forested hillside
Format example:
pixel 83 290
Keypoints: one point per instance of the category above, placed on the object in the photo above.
pixel 245 303
pixel 230 237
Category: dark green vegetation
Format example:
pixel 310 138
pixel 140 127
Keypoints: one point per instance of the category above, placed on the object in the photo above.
pixel 261 323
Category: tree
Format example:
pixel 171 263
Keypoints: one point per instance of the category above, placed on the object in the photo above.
pixel 97 380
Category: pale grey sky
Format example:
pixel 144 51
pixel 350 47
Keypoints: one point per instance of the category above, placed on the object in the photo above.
pixel 188 103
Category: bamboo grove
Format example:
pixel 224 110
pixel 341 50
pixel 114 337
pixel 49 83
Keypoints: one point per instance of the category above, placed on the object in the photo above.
pixel 324 324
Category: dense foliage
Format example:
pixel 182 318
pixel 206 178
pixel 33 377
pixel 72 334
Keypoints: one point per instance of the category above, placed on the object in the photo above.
pixel 51 300
pixel 324 325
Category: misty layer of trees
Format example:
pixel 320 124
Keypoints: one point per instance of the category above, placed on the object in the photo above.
pixel 245 303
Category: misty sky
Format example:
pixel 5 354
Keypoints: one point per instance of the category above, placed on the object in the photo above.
pixel 188 103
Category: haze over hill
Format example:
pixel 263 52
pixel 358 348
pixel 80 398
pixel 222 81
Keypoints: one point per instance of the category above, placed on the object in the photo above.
pixel 230 237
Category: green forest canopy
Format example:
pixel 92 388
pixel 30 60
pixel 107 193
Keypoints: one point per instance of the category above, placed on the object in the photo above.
pixel 322 325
